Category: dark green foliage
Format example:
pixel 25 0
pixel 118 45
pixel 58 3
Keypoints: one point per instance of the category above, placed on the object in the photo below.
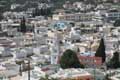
pixel 110 1
pixel 90 1
pixel 23 27
pixel 72 24
pixel 35 12
pixel 82 25
pixel 42 12
pixel 107 77
pixel 78 50
pixel 117 23
pixel 101 51
pixel 1 17
pixel 114 62
pixel 69 59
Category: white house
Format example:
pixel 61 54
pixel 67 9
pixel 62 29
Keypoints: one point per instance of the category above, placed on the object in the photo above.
pixel 74 17
pixel 112 15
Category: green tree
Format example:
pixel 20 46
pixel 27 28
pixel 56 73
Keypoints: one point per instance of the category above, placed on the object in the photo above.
pixel 42 12
pixel 109 1
pixel 107 77
pixel 23 25
pixel 35 12
pixel 1 16
pixel 82 25
pixel 117 23
pixel 114 62
pixel 69 59
pixel 101 51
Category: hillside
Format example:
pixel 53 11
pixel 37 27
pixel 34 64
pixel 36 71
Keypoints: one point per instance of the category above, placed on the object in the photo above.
pixel 57 3
pixel 5 4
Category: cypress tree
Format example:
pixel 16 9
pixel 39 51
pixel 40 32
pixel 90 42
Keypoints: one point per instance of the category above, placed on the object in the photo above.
pixel 101 51
pixel 23 25
pixel 1 16
pixel 114 62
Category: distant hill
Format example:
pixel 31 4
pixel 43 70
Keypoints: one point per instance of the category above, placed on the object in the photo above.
pixel 57 3
pixel 5 4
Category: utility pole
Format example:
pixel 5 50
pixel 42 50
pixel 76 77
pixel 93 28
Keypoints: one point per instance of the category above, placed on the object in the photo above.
pixel 94 70
pixel 20 69
pixel 28 69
